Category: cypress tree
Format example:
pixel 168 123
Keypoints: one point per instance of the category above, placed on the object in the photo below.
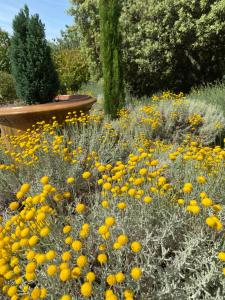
pixel 32 66
pixel 111 55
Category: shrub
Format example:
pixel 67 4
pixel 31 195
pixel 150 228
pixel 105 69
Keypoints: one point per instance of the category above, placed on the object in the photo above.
pixel 32 66
pixel 161 39
pixel 7 88
pixel 123 203
pixel 72 68
pixel 4 51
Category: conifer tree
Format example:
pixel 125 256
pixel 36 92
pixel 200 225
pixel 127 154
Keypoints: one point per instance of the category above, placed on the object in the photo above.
pixel 32 67
pixel 111 55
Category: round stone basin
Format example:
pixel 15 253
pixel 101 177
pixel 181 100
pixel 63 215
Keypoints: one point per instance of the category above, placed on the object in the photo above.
pixel 21 118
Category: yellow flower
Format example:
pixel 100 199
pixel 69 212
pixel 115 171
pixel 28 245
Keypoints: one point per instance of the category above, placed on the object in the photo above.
pixel 81 261
pixel 52 269
pixel 44 231
pixel 80 208
pixel 50 255
pixel 44 180
pixel 35 294
pixel 30 267
pixel 70 180
pixel 66 297
pixel 201 179
pixel 187 187
pixel 25 188
pixel 40 258
pixel 194 209
pixel 120 277
pixel 109 221
pixel 121 205
pixel 76 272
pixel 90 276
pixel 180 201
pixel 122 239
pixel 86 175
pixel 107 186
pixel 43 293
pixel 136 247
pixel 33 240
pixel 111 279
pixel 66 256
pixel 86 289
pixel 207 202
pixel 143 171
pixel 12 291
pixel 221 256
pixel 128 294
pixel 136 273
pixel 76 245
pixel 102 258
pixel 105 203
pixel 65 274
pixel 13 205
pixel 19 195
pixel 66 229
pixel 147 199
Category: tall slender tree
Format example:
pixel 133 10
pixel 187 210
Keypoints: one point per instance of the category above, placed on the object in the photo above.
pixel 111 55
pixel 32 66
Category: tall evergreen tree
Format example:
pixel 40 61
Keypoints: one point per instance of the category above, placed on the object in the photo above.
pixel 111 55
pixel 32 67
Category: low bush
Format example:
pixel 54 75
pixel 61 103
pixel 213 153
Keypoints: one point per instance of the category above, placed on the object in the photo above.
pixel 7 88
pixel 106 213
pixel 72 69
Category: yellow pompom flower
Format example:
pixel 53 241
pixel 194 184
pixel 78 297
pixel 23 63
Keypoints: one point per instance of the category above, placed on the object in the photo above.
pixel 30 267
pixel 35 294
pixel 67 229
pixel 110 221
pixel 194 209
pixel 33 240
pixel 201 179
pixel 187 187
pixel 44 180
pixel 86 175
pixel 80 208
pixel 105 204
pixel 147 199
pixel 12 291
pixel 122 239
pixel 121 205
pixel 44 231
pixel 81 261
pixel 90 276
pixel 25 188
pixel 102 258
pixel 221 256
pixel 65 274
pixel 76 245
pixel 120 277
pixel 52 269
pixel 207 202
pixel 135 246
pixel 13 205
pixel 136 273
pixel 107 186
pixel 50 255
pixel 66 256
pixel 70 180
pixel 86 289
pixel 111 279
pixel 66 297
pixel 43 293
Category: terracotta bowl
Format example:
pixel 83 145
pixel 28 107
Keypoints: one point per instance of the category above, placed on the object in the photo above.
pixel 21 118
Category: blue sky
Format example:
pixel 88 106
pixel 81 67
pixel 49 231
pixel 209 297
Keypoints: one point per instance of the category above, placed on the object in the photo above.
pixel 52 13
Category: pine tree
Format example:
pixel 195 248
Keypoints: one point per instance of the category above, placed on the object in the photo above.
pixel 32 66
pixel 111 55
